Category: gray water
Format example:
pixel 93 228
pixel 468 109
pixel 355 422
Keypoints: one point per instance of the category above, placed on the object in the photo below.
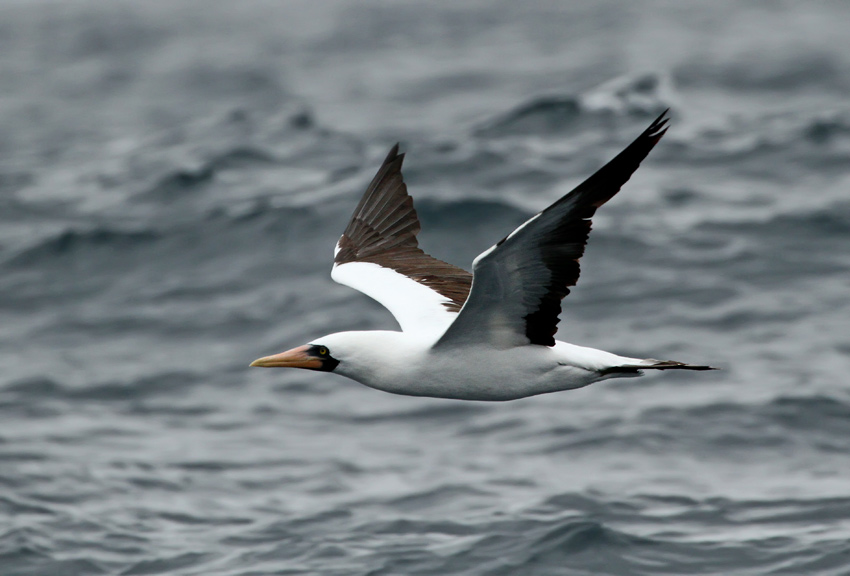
pixel 173 178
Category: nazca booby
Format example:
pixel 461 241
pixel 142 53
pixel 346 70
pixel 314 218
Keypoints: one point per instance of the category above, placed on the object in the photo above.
pixel 488 335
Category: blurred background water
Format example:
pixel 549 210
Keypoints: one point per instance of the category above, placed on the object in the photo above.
pixel 173 178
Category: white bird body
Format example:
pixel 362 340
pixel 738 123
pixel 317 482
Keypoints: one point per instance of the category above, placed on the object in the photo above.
pixel 482 336
pixel 402 363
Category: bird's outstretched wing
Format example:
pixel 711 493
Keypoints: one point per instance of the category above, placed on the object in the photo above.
pixel 378 254
pixel 519 283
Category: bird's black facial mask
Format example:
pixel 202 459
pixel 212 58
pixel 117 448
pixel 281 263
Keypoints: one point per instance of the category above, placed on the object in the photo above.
pixel 323 354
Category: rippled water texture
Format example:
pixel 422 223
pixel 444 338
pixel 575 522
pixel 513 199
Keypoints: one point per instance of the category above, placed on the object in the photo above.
pixel 174 175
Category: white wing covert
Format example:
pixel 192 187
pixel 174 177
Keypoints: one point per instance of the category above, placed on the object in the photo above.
pixel 379 255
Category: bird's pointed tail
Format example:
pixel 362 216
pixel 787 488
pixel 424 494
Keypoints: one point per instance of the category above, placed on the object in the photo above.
pixel 653 364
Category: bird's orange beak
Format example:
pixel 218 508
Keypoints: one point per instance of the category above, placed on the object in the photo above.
pixel 295 358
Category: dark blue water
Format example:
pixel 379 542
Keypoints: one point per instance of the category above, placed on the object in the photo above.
pixel 173 178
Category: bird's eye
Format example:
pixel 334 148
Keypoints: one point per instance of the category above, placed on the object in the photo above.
pixel 323 351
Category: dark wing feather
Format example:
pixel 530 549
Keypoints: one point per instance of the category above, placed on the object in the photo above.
pixel 519 283
pixel 383 231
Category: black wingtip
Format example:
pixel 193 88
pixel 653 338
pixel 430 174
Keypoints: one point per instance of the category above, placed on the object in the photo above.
pixel 393 154
pixel 659 127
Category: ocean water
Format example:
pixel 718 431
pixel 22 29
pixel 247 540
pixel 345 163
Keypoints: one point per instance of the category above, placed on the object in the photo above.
pixel 173 178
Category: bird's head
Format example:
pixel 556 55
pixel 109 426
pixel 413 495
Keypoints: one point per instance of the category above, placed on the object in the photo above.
pixel 349 349
pixel 313 356
pixel 354 354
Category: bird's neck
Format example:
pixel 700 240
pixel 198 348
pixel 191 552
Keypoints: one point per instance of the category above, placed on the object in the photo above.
pixel 379 358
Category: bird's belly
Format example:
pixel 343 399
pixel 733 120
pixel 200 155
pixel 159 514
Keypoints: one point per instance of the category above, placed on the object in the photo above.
pixel 483 375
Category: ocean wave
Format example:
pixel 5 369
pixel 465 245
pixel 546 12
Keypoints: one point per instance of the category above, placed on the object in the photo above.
pixel 786 420
pixel 25 561
pixel 448 412
pixel 106 249
pixel 42 388
pixel 15 505
pixel 179 182
pixel 163 564
pixel 720 427
pixel 575 537
pixel 772 145
pixel 74 242
pixel 450 216
pixel 831 223
pixel 541 547
pixel 790 246
pixel 418 527
pixel 641 96
pixel 769 70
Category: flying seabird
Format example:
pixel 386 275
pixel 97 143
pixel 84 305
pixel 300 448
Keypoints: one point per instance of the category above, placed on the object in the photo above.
pixel 488 335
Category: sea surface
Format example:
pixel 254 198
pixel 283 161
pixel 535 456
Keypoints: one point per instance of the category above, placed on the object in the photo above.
pixel 174 176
